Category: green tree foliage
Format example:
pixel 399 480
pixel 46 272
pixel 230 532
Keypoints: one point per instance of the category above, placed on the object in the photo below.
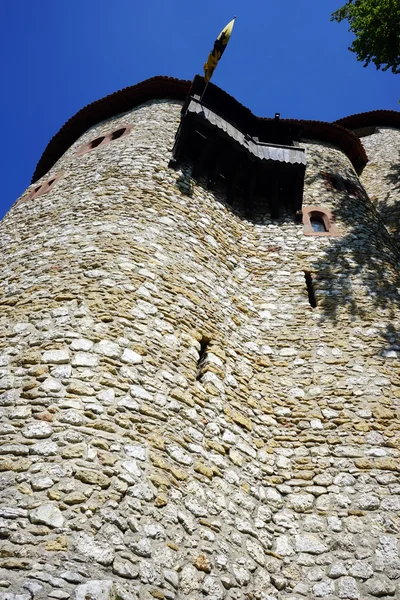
pixel 376 25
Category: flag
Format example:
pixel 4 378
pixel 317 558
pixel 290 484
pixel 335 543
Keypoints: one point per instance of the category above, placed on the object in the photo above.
pixel 218 50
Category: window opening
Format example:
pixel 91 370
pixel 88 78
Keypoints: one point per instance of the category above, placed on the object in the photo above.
pixel 351 188
pixel 117 134
pixel 97 142
pixel 318 221
pixel 310 289
pixel 41 189
pixel 337 183
pixel 204 344
pixel 317 224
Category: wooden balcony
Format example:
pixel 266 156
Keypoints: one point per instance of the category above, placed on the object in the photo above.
pixel 258 176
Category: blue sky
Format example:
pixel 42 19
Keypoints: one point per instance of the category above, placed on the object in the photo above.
pixel 58 56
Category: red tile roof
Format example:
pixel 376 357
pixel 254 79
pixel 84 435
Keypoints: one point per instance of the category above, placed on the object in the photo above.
pixel 388 118
pixel 100 110
pixel 177 89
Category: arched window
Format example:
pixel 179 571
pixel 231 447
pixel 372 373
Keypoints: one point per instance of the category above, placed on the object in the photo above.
pixel 319 221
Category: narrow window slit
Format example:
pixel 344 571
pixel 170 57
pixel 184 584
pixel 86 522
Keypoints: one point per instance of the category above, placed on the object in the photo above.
pixel 96 142
pixel 117 134
pixel 204 344
pixel 310 288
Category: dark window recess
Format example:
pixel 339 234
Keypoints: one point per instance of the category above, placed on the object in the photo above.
pixel 343 185
pixel 337 183
pixel 204 344
pixel 351 188
pixel 104 139
pixel 310 289
pixel 317 224
pixel 97 142
pixel 41 189
pixel 117 134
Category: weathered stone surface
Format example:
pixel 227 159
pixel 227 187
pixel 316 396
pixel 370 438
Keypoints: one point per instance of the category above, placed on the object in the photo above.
pixel 381 586
pixel 324 588
pixel 84 359
pixel 202 563
pixel 267 469
pixel 86 545
pixel 347 588
pixel 37 430
pixel 310 543
pixel 131 357
pixel 368 502
pixel 56 357
pixel 124 568
pixel 300 502
pixel 95 590
pixel 93 478
pixel 48 514
pixel 189 580
pixel 108 348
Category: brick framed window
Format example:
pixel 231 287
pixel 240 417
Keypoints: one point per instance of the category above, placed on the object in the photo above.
pixel 43 188
pixel 40 190
pixel 102 140
pixel 318 221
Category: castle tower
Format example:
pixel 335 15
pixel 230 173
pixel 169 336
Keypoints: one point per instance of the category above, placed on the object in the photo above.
pixel 199 385
pixel 379 131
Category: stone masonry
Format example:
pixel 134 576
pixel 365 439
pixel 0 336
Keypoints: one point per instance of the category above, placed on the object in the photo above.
pixel 269 471
pixel 381 175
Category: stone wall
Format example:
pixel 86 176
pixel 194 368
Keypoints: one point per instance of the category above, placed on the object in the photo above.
pixel 381 176
pixel 129 470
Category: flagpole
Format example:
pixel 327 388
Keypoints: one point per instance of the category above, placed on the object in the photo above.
pixel 204 91
pixel 216 53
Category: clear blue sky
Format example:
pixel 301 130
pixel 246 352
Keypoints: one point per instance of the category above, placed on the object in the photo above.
pixel 284 56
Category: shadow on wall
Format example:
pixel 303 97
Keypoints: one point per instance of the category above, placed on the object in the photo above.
pixel 389 207
pixel 358 278
pixel 184 183
pixel 253 207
